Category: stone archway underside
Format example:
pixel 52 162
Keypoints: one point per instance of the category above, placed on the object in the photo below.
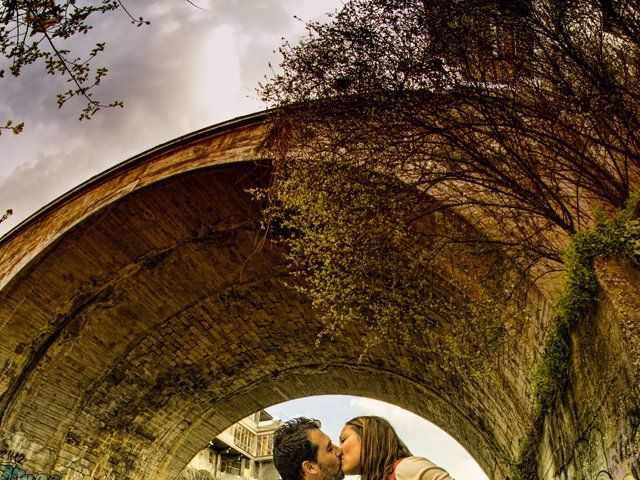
pixel 138 321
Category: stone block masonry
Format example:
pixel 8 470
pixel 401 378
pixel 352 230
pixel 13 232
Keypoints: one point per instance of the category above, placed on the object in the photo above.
pixel 139 321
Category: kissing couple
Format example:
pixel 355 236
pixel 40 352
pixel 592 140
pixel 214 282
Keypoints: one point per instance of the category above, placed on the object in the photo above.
pixel 369 447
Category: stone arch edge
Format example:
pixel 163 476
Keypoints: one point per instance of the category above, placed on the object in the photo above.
pixel 232 142
pixel 311 379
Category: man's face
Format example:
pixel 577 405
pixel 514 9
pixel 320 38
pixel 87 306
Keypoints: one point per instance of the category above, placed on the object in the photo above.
pixel 329 456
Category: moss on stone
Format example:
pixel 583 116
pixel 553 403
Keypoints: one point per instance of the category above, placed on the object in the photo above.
pixel 617 234
pixel 612 235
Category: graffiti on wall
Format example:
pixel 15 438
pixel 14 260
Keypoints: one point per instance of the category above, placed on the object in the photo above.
pixel 13 470
pixel 11 456
pixel 626 450
pixel 588 455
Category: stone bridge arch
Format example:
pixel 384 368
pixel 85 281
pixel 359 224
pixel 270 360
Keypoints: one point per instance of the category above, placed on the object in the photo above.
pixel 138 321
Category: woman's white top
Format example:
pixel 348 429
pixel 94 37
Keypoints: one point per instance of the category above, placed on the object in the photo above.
pixel 419 468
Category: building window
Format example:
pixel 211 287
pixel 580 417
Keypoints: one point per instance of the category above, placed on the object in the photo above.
pixel 244 439
pixel 505 41
pixel 265 445
pixel 230 465
pixel 509 33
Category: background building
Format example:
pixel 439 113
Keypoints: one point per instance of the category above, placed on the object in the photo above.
pixel 242 451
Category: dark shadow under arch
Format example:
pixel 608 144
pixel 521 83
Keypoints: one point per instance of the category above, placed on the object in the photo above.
pixel 135 328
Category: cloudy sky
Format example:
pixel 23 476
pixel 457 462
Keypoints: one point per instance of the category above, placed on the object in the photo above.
pixel 191 68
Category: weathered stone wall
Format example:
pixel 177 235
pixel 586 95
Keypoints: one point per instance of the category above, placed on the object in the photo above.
pixel 156 333
pixel 593 431
pixel 139 320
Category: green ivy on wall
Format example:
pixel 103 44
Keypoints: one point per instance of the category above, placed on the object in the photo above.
pixel 612 235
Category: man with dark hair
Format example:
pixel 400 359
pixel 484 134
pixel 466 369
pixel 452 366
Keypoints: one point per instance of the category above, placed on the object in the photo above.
pixel 301 451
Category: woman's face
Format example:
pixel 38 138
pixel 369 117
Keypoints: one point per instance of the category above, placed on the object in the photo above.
pixel 350 444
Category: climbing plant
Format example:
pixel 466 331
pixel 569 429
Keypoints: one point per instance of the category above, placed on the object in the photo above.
pixel 374 253
pixel 617 234
pixel 434 159
pixel 612 235
pixel 431 159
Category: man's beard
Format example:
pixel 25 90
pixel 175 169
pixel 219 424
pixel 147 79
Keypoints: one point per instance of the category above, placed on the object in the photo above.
pixel 330 474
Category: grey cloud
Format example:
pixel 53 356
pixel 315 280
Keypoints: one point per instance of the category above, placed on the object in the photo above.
pixel 151 69
pixel 32 186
